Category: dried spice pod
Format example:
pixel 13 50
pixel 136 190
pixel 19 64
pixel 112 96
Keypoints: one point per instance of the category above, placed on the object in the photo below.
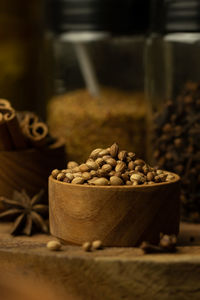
pixel 111 161
pixel 92 165
pixel 114 150
pixel 131 155
pixel 93 173
pixel 72 164
pixel 102 173
pixel 139 162
pixel 55 173
pixel 95 153
pixel 131 165
pixel 177 141
pixel 138 177
pixel 139 168
pixel 167 244
pixel 114 180
pixel 60 176
pixel 110 171
pixel 104 152
pixel 120 167
pixel 101 181
pixel 86 175
pixel 122 155
pixel 150 176
pixel 99 161
pixel 78 180
pixel 84 168
pixel 107 168
pixel 69 176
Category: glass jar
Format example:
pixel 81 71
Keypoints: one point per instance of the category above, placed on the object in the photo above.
pixel 99 88
pixel 173 92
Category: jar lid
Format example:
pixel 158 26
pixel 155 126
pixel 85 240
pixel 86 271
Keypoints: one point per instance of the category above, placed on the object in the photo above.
pixel 176 16
pixel 115 16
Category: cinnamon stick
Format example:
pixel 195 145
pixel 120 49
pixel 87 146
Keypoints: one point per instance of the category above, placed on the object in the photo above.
pixel 6 143
pixel 27 118
pixel 35 130
pixel 5 103
pixel 15 130
pixel 39 132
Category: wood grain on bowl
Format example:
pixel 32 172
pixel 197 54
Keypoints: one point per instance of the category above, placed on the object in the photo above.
pixel 118 216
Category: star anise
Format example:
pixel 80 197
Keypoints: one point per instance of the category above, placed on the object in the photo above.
pixel 27 213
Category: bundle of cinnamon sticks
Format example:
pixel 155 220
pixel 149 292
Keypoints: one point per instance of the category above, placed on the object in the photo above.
pixel 21 130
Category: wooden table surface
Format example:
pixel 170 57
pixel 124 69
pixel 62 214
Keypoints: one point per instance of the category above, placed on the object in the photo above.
pixel 29 271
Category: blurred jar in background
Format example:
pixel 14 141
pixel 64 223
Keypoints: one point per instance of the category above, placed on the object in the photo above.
pixel 22 77
pixel 99 92
pixel 173 90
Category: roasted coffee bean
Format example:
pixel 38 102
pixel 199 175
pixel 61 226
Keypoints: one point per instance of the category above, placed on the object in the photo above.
pixel 111 166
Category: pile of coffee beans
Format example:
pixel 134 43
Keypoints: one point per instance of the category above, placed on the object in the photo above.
pixel 177 145
pixel 112 166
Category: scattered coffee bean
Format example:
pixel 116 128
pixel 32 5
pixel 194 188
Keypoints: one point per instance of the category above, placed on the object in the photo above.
pixel 87 246
pixel 54 245
pixel 96 245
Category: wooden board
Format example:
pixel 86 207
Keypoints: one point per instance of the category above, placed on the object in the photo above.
pixel 30 271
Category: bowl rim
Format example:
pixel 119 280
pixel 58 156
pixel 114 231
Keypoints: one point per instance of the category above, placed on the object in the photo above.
pixel 120 187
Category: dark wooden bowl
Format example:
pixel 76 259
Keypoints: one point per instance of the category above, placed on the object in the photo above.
pixel 118 216
pixel 29 169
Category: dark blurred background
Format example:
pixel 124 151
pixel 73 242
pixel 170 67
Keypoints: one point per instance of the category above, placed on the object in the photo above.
pixel 22 46
pixel 26 57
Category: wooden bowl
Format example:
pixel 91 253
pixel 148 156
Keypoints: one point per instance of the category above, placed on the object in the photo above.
pixel 29 169
pixel 116 215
